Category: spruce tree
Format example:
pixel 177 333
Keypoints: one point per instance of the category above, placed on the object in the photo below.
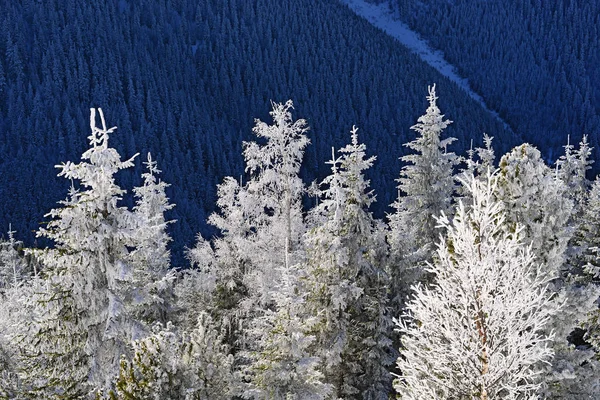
pixel 83 329
pixel 285 366
pixel 480 331
pixel 346 283
pixel 425 189
pixel 535 198
pixel 152 297
pixel 276 190
pixel 174 365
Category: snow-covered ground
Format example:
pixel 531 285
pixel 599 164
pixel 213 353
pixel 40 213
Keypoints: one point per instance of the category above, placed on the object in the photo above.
pixel 380 16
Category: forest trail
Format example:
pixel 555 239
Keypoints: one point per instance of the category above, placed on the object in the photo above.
pixel 379 15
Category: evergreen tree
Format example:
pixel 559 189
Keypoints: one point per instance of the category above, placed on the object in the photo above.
pixel 276 189
pixel 12 265
pixel 169 365
pixel 152 297
pixel 83 328
pixel 284 367
pixel 346 284
pixel 425 189
pixel 219 283
pixel 572 168
pixel 479 331
pixel 537 200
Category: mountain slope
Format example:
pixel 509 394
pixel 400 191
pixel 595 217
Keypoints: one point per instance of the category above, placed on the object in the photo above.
pixel 184 80
pixel 533 61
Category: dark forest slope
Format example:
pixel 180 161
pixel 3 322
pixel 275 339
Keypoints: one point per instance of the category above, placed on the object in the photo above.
pixel 534 61
pixel 184 79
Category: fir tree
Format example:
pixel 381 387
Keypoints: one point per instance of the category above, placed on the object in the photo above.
pixel 83 329
pixel 169 365
pixel 425 189
pixel 12 265
pixel 276 190
pixel 285 367
pixel 479 331
pixel 346 284
pixel 152 297
pixel 537 200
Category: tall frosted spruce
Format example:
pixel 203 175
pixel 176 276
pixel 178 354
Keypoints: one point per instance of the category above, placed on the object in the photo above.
pixel 82 331
pixel 479 332
pixel 425 189
pixel 346 285
pixel 261 224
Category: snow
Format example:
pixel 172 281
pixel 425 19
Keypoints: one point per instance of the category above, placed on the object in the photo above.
pixel 380 16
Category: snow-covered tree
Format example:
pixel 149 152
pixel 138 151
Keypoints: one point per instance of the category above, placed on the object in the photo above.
pixel 219 281
pixel 152 297
pixel 169 365
pixel 274 168
pixel 346 283
pixel 571 168
pixel 426 183
pixel 478 162
pixel 83 329
pixel 587 236
pixel 425 189
pixel 285 367
pixel 12 265
pixel 261 224
pixel 479 331
pixel 273 198
pixel 535 198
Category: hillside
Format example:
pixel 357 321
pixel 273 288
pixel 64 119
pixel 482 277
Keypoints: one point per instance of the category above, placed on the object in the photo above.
pixel 533 61
pixel 185 80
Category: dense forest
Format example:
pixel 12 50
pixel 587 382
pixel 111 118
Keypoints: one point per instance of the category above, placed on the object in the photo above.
pixel 185 79
pixel 533 61
pixel 482 283
pixel 176 228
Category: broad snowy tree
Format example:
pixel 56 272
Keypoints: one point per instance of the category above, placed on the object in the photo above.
pixel 276 189
pixel 346 282
pixel 83 329
pixel 425 189
pixel 535 198
pixel 172 365
pixel 479 331
pixel 285 366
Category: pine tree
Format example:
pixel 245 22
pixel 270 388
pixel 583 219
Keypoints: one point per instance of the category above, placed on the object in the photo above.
pixel 479 331
pixel 571 168
pixel 276 189
pixel 169 365
pixel 534 198
pixel 219 283
pixel 284 366
pixel 152 298
pixel 261 223
pixel 537 200
pixel 346 283
pixel 12 265
pixel 83 329
pixel 425 189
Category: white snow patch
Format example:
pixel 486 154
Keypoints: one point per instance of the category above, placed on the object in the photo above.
pixel 379 15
